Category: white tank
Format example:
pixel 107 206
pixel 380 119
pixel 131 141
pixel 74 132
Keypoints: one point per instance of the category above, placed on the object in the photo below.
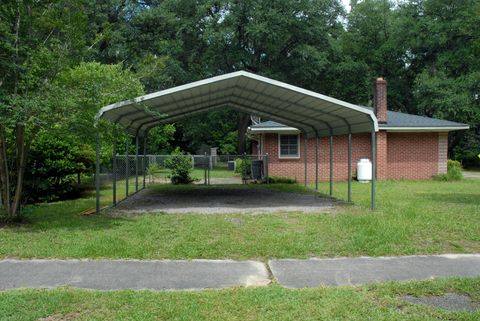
pixel 364 170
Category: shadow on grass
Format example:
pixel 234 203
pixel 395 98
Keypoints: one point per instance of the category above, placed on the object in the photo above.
pixel 64 216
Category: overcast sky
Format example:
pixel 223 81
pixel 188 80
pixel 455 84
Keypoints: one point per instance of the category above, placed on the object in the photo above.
pixel 346 4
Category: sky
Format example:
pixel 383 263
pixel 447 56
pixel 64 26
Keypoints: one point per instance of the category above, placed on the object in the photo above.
pixel 346 4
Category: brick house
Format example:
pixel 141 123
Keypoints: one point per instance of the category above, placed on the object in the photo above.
pixel 408 146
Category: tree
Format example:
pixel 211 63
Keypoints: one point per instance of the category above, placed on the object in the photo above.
pixel 428 50
pixel 38 39
pixel 371 49
pixel 88 87
pixel 189 40
pixel 444 45
pixel 160 138
pixel 53 165
pixel 212 129
pixel 41 93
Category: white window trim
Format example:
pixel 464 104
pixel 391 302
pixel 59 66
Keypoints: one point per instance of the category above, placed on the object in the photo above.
pixel 280 151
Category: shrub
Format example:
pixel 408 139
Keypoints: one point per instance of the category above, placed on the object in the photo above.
pixel 153 168
pixel 454 172
pixel 181 168
pixel 53 167
pixel 281 180
pixel 242 166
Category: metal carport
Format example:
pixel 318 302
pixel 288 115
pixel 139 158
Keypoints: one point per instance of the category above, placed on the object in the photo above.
pixel 316 115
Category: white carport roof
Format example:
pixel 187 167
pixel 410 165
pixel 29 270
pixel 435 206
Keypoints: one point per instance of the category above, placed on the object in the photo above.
pixel 294 106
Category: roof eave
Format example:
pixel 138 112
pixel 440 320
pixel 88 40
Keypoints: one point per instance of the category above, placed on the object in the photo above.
pixel 286 130
pixel 273 130
pixel 423 129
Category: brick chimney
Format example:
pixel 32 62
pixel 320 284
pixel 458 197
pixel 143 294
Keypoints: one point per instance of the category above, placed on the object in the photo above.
pixel 380 99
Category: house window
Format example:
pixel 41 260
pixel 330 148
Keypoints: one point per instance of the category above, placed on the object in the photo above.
pixel 289 146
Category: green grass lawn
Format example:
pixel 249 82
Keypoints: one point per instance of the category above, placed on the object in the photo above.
pixel 372 302
pixel 412 218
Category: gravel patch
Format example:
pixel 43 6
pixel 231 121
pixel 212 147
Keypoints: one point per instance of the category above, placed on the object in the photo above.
pixel 449 301
pixel 222 201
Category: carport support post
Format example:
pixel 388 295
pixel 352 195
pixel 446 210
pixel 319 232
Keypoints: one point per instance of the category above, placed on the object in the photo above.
pixel 266 167
pixel 127 166
pixel 305 156
pixel 97 172
pixel 144 157
pixel 331 164
pixel 316 161
pixel 205 169
pixel 114 168
pixel 136 163
pixel 374 165
pixel 244 168
pixel 349 167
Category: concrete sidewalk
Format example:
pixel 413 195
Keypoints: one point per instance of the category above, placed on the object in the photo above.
pixel 131 274
pixel 352 271
pixel 203 274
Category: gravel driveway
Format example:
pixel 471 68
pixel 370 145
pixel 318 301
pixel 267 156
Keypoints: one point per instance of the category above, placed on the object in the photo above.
pixel 218 200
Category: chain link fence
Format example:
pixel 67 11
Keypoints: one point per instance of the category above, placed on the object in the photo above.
pixel 127 175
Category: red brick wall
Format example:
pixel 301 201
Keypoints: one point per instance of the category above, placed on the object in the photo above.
pixel 295 167
pixel 382 157
pixel 399 155
pixel 412 155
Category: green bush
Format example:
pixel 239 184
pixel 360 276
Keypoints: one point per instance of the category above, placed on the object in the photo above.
pixel 181 168
pixel 153 169
pixel 242 166
pixel 281 180
pixel 454 172
pixel 53 166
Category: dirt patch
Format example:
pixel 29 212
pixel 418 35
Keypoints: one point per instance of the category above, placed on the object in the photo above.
pixel 448 301
pixel 217 200
pixel 60 317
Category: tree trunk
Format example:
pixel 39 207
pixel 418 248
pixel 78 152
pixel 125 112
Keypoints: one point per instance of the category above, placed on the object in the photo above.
pixel 22 152
pixel 4 175
pixel 243 120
